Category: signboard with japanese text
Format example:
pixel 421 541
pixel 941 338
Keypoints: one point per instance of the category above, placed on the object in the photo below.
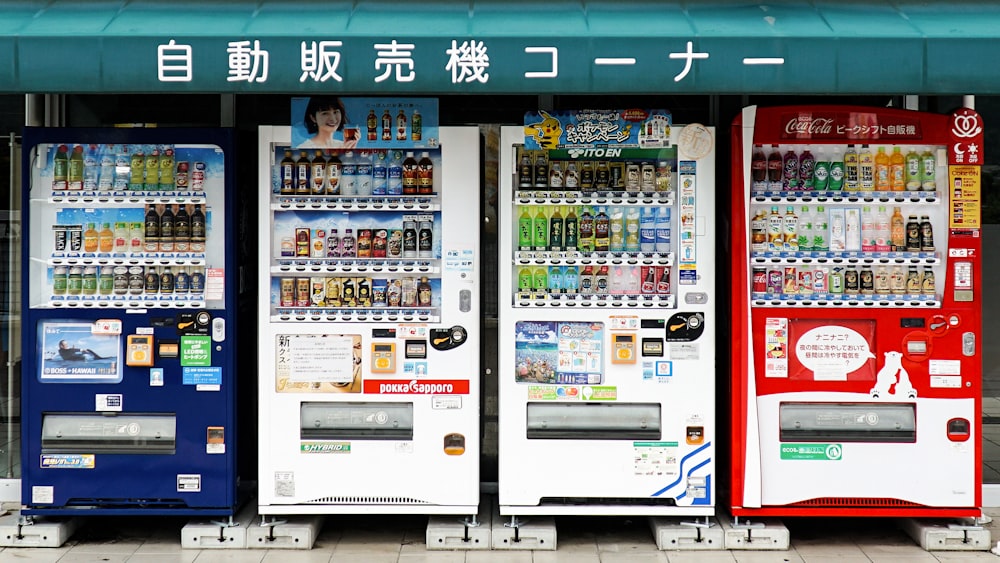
pixel 589 128
pixel 332 122
pixel 966 197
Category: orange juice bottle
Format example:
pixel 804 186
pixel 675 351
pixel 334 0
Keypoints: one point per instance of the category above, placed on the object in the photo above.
pixel 897 171
pixel 106 238
pixel 90 238
pixel 882 165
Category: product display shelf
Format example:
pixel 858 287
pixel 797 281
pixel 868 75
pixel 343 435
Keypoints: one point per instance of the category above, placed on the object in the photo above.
pixel 837 258
pixel 144 259
pixel 571 258
pixel 115 199
pixel 129 302
pixel 524 299
pixel 845 301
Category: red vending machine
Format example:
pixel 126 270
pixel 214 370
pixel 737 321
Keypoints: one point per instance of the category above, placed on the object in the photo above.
pixel 856 354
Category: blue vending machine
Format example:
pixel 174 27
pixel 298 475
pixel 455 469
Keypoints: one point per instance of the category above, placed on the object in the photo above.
pixel 129 342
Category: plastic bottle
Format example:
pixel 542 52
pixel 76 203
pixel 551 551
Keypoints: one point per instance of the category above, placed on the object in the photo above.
pixel 524 280
pixel 401 126
pixel 425 239
pixel 790 170
pixel 601 286
pixel 602 230
pixel 647 230
pixel 867 230
pixel 774 169
pixel 571 230
pixel 541 170
pixel 821 171
pixel 182 229
pixel 820 227
pixel 617 229
pixel 60 168
pixel 663 230
pixel 789 232
pixel 541 280
pixel 928 171
pixel 410 180
pixel 883 230
pixel 410 239
pixel 334 169
pixel 524 170
pixel 90 169
pixel 805 230
pixel 395 171
pixel 587 176
pixel 758 232
pixel 866 169
pixel 852 230
pixel 837 172
pixel 897 170
pixel 913 180
pixel 348 245
pixel 540 238
pixel 318 173
pixel 555 279
pixel 74 173
pixel 556 175
pixel 524 229
pixel 912 234
pixel 586 238
pixel 106 176
pixel 775 230
pixel 571 279
pixel 557 228
pixel 897 229
pixel 380 173
pixel 852 172
pixel 926 234
pixel 151 179
pixel 425 174
pixel 416 126
pixel 632 219
pixel 386 126
pixel 807 170
pixel 571 180
pixel 363 173
pixel 758 168
pixel 302 166
pixel 106 238
pixel 121 238
pixel 167 229
pixel 883 172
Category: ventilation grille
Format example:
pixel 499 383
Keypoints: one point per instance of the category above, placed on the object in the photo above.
pixel 366 500
pixel 848 501
pixel 607 501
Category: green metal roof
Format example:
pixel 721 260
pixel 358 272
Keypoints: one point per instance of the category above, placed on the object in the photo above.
pixel 845 46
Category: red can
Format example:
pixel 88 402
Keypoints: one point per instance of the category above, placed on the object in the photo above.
pixel 759 280
pixel 775 279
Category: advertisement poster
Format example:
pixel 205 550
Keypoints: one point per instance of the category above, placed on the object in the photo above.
pixel 331 122
pixel 318 363
pixel 590 128
pixel 558 352
pixel 831 349
pixel 966 197
pixel 72 352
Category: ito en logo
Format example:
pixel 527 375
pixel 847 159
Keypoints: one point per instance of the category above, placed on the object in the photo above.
pixel 834 451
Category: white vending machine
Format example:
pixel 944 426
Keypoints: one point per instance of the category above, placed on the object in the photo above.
pixel 607 316
pixel 369 327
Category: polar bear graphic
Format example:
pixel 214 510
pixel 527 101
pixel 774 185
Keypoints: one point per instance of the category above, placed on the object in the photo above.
pixel 886 378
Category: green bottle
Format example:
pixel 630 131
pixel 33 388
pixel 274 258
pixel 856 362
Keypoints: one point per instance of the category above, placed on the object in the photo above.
pixel 524 280
pixel 541 280
pixel 571 229
pixel 836 182
pixel 524 229
pixel 541 230
pixel 60 169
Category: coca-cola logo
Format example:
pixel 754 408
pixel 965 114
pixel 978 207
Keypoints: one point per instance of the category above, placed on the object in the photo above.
pixel 809 126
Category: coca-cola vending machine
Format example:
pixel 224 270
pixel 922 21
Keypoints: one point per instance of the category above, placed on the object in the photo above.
pixel 856 349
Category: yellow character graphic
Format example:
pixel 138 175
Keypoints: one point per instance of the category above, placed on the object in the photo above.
pixel 546 132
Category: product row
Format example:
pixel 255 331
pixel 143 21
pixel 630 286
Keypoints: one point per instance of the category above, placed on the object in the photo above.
pixel 415 239
pixel 850 168
pixel 839 229
pixel 121 167
pixel 164 228
pixel 350 173
pixel 594 229
pixel 126 281
pixel 350 292
pixel 594 280
pixel 537 171
pixel 833 282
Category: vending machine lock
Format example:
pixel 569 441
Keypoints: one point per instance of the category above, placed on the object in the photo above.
pixel 685 327
pixel 193 323
pixel 448 338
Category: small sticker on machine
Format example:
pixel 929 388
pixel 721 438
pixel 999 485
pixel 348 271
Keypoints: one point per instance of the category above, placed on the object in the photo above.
pixel 42 494
pixel 439 402
pixel 284 483
pixel 188 483
pixel 945 367
pixel 946 381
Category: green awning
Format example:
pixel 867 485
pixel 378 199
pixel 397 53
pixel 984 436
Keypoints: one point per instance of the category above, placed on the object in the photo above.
pixel 394 47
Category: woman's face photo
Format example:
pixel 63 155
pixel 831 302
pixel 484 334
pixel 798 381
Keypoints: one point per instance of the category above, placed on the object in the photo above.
pixel 328 118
